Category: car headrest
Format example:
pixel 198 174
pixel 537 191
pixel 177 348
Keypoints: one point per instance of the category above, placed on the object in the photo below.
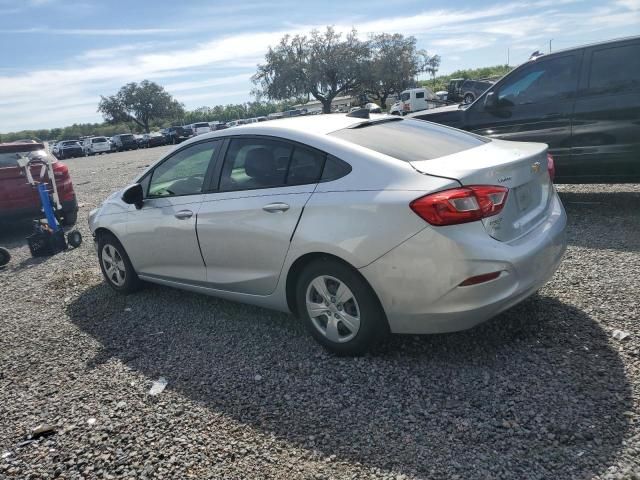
pixel 260 164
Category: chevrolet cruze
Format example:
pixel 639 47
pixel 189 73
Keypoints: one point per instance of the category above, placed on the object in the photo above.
pixel 360 225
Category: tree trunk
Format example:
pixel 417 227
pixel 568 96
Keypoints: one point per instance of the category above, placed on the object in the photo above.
pixel 326 105
pixel 383 101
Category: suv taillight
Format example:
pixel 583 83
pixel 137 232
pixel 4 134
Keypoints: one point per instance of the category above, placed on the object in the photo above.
pixel 551 167
pixel 460 205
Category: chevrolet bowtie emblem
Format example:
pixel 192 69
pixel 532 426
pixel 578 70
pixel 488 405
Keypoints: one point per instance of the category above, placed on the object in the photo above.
pixel 535 168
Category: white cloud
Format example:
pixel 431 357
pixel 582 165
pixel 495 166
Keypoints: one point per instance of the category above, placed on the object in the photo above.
pixel 70 93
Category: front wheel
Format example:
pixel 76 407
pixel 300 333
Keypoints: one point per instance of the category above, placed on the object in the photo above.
pixel 116 266
pixel 468 98
pixel 339 308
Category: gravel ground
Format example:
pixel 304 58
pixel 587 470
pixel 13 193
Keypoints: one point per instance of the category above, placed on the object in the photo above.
pixel 543 391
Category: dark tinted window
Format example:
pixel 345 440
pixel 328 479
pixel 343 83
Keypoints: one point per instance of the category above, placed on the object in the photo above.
pixel 615 70
pixel 334 168
pixel 405 96
pixel 183 173
pixel 410 140
pixel 306 166
pixel 419 94
pixel 126 137
pixel 540 81
pixel 255 163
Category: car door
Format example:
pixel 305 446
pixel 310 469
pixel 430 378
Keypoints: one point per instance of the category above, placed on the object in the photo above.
pixel 245 227
pixel 533 104
pixel 161 237
pixel 606 128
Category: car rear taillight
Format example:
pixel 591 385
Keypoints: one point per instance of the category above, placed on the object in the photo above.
pixel 60 170
pixel 551 166
pixel 461 205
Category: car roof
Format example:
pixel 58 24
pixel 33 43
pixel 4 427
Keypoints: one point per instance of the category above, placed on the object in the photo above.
pixel 588 45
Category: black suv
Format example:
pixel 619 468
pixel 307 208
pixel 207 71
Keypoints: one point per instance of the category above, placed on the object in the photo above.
pixel 124 141
pixel 583 102
pixel 176 134
pixel 472 89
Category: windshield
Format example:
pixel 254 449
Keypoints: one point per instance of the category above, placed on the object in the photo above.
pixel 410 140
pixel 405 96
pixel 201 125
pixel 126 137
pixel 70 143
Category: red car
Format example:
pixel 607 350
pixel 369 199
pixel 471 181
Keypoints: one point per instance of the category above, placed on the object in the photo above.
pixel 18 199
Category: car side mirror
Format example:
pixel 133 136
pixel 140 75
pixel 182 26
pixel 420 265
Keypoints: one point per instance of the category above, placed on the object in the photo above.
pixel 133 195
pixel 491 101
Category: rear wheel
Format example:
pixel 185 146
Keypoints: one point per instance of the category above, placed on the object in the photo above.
pixel 5 257
pixel 339 308
pixel 69 218
pixel 116 266
pixel 469 98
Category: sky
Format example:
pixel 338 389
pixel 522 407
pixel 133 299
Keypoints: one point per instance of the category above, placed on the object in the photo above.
pixel 58 56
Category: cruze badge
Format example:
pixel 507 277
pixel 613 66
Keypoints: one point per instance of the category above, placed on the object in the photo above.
pixel 535 168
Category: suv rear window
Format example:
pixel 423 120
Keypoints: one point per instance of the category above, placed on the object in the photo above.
pixel 126 137
pixel 410 140
pixel 201 125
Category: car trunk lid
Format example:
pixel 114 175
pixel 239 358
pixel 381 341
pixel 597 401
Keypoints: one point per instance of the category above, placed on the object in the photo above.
pixel 521 167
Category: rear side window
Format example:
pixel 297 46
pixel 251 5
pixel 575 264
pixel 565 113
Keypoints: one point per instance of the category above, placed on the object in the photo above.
pixel 419 94
pixel 255 163
pixel 615 70
pixel 410 140
pixel 306 166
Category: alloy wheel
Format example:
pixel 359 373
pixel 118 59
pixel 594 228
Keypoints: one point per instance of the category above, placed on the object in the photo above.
pixel 113 264
pixel 333 309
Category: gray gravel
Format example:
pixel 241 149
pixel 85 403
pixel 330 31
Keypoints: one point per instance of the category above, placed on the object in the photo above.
pixel 543 391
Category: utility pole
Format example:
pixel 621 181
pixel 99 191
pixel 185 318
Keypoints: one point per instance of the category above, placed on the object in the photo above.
pixel 550 40
pixel 507 56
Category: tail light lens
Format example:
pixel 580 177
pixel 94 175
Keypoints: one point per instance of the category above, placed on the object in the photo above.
pixel 60 170
pixel 461 205
pixel 551 166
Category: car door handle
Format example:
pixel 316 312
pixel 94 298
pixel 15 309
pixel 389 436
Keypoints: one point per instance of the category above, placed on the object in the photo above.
pixel 183 214
pixel 276 207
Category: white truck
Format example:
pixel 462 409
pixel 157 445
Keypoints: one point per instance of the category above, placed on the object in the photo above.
pixel 414 100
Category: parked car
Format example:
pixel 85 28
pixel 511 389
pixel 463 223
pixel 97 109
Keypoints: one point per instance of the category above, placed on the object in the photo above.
pixel 474 227
pixel 472 89
pixel 18 199
pixel 583 102
pixel 68 149
pixel 96 145
pixel 454 92
pixel 176 134
pixel 217 126
pixel 124 141
pixel 153 139
pixel 200 128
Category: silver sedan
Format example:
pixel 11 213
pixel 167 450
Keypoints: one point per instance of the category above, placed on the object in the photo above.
pixel 360 225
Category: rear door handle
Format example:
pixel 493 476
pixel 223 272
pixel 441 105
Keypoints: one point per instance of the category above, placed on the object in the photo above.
pixel 276 207
pixel 183 214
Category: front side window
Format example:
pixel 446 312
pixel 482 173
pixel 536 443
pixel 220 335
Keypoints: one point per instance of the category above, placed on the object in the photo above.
pixel 542 81
pixel 183 173
pixel 615 70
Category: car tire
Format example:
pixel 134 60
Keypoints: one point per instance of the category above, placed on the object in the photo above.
pixel 5 257
pixel 352 327
pixel 69 218
pixel 116 266
pixel 468 98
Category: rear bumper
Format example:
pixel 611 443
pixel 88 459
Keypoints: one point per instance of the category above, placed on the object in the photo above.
pixel 34 210
pixel 418 282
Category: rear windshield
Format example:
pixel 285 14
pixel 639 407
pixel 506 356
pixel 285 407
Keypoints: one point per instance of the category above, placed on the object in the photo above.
pixel 410 140
pixel 11 159
pixel 201 125
pixel 126 137
pixel 98 140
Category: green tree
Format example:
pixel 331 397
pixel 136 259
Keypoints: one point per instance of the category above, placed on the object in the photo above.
pixel 324 65
pixel 140 104
pixel 391 67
